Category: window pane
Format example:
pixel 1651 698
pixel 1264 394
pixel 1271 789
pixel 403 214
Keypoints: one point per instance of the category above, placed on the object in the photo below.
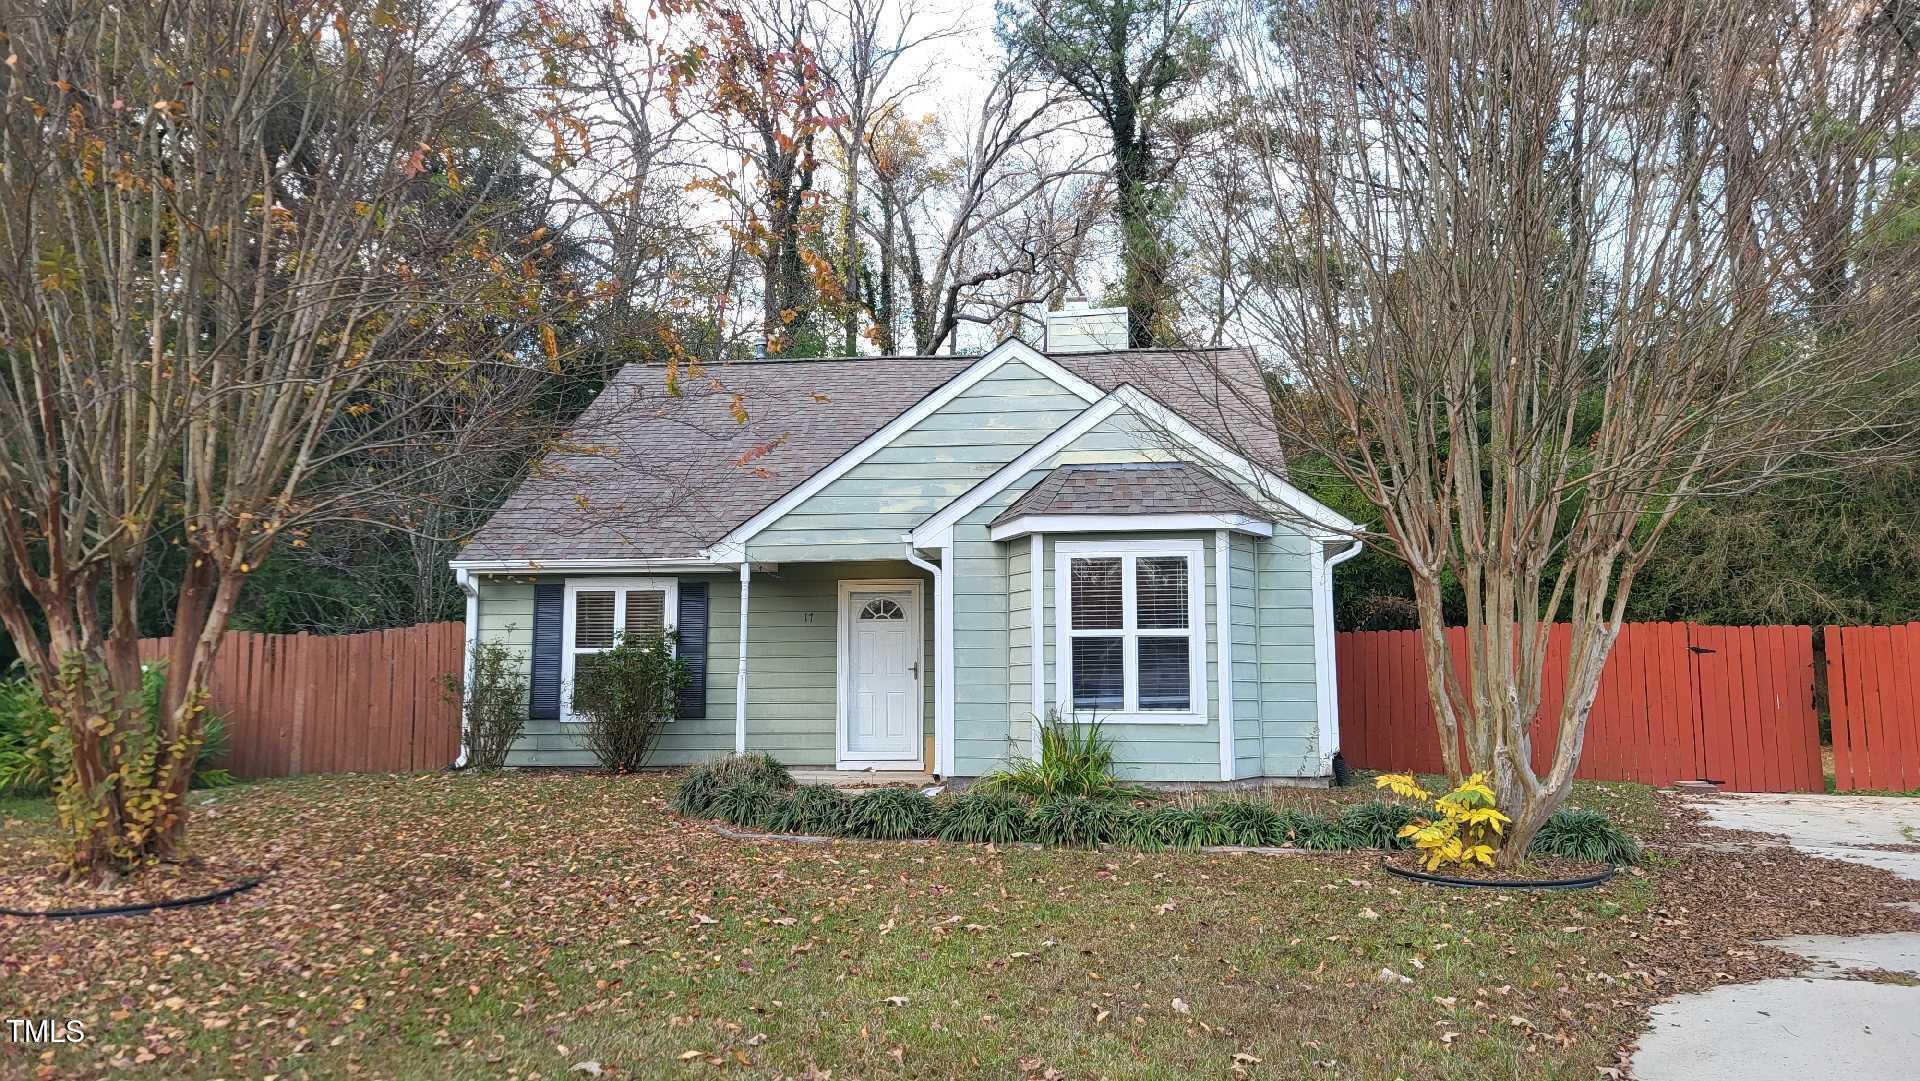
pixel 646 611
pixel 1099 681
pixel 1160 588
pixel 593 619
pixel 1096 594
pixel 1164 682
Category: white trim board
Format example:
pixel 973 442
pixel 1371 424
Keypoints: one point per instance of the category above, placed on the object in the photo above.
pixel 1010 350
pixel 1223 646
pixel 1127 523
pixel 1318 516
pixel 688 565
pixel 844 759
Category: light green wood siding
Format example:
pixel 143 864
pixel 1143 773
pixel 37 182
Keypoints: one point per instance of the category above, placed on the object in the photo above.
pixel 863 514
pixel 1288 694
pixel 1021 729
pixel 1248 727
pixel 792 671
pixel 1271 613
pixel 791 665
pixel 506 615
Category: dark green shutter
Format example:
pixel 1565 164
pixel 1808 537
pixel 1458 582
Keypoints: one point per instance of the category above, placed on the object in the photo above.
pixel 692 630
pixel 543 695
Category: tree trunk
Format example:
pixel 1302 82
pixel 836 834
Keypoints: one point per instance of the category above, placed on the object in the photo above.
pixel 850 243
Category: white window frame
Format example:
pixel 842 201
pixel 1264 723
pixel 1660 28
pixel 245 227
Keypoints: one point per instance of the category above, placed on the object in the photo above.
pixel 1065 552
pixel 620 588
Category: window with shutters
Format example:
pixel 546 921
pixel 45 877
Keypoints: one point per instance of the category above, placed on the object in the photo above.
pixel 1130 630
pixel 601 610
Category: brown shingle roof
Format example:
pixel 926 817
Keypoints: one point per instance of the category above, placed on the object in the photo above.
pixel 1147 488
pixel 647 474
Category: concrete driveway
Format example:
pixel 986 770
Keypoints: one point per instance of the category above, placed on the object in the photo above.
pixel 1854 1014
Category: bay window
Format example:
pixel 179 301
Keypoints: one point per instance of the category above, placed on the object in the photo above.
pixel 1130 632
pixel 599 611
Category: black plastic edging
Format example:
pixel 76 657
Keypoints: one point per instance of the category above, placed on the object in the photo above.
pixel 1588 882
pixel 135 910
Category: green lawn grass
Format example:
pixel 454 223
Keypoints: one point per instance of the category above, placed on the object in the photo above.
pixel 456 926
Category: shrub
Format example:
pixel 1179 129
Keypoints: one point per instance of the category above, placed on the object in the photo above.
pixel 1166 826
pixel 1317 834
pixel 1079 821
pixel 33 746
pixel 494 709
pixel 976 816
pixel 1377 823
pixel 817 809
pixel 1582 834
pixel 625 695
pixel 746 801
pixel 693 796
pixel 890 814
pixel 1462 830
pixel 1075 760
pixel 1251 822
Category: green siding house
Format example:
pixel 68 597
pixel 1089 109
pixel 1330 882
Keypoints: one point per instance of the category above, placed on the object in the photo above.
pixel 908 563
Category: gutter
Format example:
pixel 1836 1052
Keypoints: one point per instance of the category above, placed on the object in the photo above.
pixel 464 578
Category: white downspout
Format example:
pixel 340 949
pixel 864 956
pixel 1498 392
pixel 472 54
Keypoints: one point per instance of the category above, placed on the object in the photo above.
pixel 1330 680
pixel 464 579
pixel 941 652
pixel 740 674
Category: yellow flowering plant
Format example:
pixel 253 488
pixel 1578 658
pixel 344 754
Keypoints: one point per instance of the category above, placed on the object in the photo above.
pixel 1463 830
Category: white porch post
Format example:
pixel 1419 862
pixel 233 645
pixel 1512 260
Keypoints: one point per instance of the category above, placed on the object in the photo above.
pixel 1037 611
pixel 740 674
pixel 1223 652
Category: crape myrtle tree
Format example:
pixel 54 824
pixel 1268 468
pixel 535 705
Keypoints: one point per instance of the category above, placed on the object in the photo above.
pixel 227 268
pixel 1537 276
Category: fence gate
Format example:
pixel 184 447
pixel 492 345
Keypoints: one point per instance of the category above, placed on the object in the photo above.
pixel 1873 695
pixel 1676 701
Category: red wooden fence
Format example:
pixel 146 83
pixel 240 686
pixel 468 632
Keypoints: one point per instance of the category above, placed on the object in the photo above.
pixel 300 703
pixel 1873 699
pixel 1677 701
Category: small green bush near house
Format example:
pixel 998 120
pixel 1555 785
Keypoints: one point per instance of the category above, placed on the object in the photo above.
pixel 817 809
pixel 1377 823
pixel 1076 759
pixel 693 796
pixel 748 801
pixel 1078 821
pixel 982 817
pixel 890 814
pixel 625 696
pixel 494 709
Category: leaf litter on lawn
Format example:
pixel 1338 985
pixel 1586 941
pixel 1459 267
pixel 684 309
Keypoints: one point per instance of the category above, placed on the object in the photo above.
pixel 438 925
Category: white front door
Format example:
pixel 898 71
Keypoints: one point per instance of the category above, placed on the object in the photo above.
pixel 880 669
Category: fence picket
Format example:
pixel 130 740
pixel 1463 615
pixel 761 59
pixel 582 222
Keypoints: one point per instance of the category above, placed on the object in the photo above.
pixel 1676 701
pixel 301 703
